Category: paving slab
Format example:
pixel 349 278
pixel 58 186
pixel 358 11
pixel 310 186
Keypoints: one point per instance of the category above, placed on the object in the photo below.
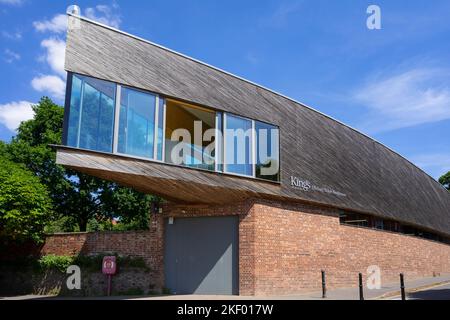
pixel 387 291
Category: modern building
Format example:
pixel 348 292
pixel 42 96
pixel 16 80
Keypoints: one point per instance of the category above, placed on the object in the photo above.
pixel 263 192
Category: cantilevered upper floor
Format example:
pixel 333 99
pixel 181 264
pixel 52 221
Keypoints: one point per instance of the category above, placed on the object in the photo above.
pixel 156 120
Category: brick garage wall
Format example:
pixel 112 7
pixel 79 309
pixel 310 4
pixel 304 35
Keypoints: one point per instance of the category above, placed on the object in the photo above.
pixel 293 243
pixel 283 247
pixel 246 234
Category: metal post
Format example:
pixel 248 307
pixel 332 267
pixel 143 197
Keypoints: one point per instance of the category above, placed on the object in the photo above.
pixel 117 118
pixel 156 128
pixel 361 290
pixel 109 285
pixel 402 286
pixel 324 286
pixel 80 117
pixel 253 150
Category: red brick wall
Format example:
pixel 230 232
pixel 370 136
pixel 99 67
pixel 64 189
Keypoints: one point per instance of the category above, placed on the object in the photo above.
pixel 146 244
pixel 293 243
pixel 283 247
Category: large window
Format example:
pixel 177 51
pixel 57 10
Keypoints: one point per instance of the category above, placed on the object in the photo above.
pixel 190 134
pixel 238 145
pixel 137 123
pixel 368 221
pixel 267 151
pixel 107 117
pixel 91 116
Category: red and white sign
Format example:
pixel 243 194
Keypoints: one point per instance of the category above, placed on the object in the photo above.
pixel 109 265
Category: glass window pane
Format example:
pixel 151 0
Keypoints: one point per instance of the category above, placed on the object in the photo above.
pixel 190 134
pixel 238 145
pixel 91 116
pixel 267 151
pixel 136 123
pixel 74 112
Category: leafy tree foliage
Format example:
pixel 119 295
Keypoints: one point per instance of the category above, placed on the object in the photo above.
pixel 445 180
pixel 78 198
pixel 25 204
pixel 133 208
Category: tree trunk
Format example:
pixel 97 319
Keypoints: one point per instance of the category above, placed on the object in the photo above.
pixel 82 223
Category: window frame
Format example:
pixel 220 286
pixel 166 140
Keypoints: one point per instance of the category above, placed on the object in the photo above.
pixel 279 151
pixel 252 146
pixel 117 107
pixel 68 109
pixel 190 105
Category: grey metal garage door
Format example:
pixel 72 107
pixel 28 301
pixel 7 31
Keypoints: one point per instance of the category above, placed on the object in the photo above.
pixel 201 255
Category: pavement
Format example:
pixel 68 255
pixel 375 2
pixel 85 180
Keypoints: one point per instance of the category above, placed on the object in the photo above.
pixel 432 288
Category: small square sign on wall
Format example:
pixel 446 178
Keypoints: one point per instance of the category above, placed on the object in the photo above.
pixel 109 265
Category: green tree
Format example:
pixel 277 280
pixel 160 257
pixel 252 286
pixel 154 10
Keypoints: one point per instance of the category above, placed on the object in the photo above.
pixel 77 197
pixel 445 180
pixel 25 204
pixel 133 208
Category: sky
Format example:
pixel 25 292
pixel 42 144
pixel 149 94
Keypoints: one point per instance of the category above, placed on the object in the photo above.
pixel 392 84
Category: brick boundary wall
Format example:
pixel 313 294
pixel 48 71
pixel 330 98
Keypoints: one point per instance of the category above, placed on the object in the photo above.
pixel 283 247
pixel 146 244
pixel 294 242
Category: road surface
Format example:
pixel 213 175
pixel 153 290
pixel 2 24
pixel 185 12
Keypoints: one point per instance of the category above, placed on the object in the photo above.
pixel 441 292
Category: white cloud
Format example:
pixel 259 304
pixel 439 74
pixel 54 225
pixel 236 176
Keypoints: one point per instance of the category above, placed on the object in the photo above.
pixel 11 56
pixel 436 164
pixel 51 84
pixel 12 35
pixel 102 13
pixel 282 14
pixel 54 84
pixel 13 113
pixel 105 14
pixel 405 99
pixel 57 25
pixel 13 2
pixel 55 56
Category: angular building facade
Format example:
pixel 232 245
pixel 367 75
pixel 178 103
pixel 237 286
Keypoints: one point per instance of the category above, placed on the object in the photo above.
pixel 262 192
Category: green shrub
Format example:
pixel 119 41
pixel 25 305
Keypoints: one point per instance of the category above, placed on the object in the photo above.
pixel 62 262
pixel 89 263
pixel 54 262
pixel 132 262
pixel 94 263
pixel 62 224
pixel 166 291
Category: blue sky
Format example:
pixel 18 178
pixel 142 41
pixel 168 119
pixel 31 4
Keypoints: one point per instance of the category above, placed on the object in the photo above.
pixel 392 84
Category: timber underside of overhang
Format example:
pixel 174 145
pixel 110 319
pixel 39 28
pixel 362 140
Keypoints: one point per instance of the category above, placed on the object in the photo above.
pixel 173 183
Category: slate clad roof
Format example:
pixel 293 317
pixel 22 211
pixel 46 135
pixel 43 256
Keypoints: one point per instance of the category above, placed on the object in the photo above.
pixel 314 147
